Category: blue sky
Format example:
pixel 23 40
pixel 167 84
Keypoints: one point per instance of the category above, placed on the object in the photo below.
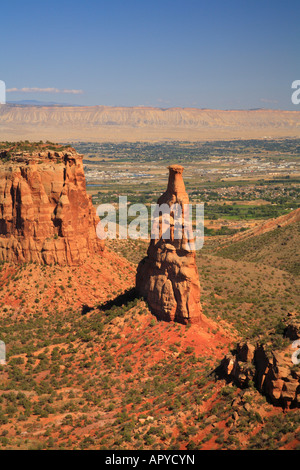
pixel 217 54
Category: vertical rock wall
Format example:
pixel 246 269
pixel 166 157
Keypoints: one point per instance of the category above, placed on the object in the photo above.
pixel 45 213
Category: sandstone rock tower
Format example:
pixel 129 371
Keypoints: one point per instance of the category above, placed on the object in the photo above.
pixel 168 276
pixel 46 215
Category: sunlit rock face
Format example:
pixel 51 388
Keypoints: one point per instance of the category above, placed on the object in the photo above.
pixel 168 276
pixel 46 215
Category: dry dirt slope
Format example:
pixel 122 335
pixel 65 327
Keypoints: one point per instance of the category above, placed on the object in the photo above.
pixel 274 243
pixel 84 376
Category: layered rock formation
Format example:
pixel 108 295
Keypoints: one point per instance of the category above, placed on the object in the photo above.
pixel 168 276
pixel 141 123
pixel 273 373
pixel 46 215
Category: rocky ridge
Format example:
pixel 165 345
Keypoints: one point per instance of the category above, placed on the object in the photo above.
pixel 119 124
pixel 269 225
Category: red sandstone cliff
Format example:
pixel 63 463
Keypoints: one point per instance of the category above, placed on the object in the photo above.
pixel 45 213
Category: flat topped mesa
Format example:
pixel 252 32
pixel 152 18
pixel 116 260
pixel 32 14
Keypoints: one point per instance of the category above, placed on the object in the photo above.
pixel 168 277
pixel 46 215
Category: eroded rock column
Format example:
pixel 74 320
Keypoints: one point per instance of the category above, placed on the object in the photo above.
pixel 168 276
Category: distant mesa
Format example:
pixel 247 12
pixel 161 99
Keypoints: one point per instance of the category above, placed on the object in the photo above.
pixel 168 277
pixel 66 123
pixel 46 215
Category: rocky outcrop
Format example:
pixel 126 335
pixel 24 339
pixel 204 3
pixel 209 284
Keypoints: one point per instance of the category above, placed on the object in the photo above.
pixel 168 276
pixel 272 373
pixel 46 215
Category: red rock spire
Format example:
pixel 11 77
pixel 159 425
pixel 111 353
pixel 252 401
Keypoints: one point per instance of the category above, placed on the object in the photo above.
pixel 168 276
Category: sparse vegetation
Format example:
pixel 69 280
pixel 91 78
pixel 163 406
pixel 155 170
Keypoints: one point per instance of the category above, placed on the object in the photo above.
pixel 89 367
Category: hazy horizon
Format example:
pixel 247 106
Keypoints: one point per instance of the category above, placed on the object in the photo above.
pixel 63 104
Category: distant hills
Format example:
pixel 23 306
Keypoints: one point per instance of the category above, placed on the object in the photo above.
pixel 65 123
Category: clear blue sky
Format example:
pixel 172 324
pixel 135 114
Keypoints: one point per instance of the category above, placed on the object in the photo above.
pixel 234 54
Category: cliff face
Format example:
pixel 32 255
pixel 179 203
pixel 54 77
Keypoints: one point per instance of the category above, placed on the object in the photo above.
pixel 45 213
pixel 119 124
pixel 168 276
